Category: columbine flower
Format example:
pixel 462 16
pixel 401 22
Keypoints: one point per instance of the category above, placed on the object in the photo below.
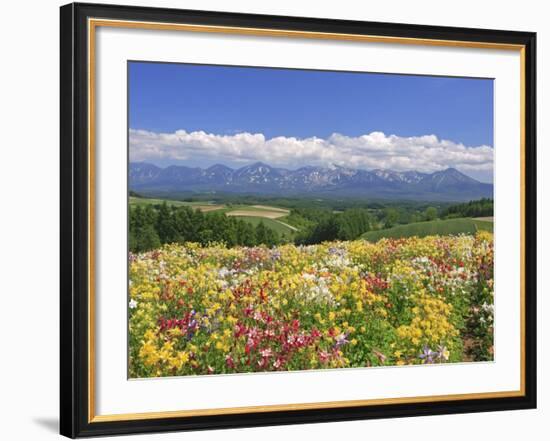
pixel 443 353
pixel 341 340
pixel 133 304
pixel 427 355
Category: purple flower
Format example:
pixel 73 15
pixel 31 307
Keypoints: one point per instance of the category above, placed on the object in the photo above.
pixel 341 340
pixel 428 355
pixel 335 251
pixel 275 255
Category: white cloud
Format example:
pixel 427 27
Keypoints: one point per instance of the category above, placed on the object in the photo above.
pixel 374 150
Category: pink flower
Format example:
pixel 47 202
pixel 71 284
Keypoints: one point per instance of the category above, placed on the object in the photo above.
pixel 229 361
pixel 324 357
pixel 266 352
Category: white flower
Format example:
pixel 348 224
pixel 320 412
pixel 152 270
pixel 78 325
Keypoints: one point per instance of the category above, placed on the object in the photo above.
pixel 224 272
pixel 487 307
pixel 133 304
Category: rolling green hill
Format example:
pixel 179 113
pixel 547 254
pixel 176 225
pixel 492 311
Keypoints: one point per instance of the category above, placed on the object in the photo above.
pixel 437 227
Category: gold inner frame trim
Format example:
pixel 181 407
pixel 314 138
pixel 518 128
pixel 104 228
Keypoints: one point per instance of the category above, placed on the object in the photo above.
pixel 92 25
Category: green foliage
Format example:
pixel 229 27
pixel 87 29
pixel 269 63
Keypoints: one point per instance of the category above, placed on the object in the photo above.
pixel 326 226
pixel 265 235
pixel 143 235
pixel 352 223
pixel 152 226
pixel 154 221
pixel 431 213
pixel 391 217
pixel 479 208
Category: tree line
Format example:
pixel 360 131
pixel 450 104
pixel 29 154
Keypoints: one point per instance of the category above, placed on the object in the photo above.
pixel 319 225
pixel 152 226
pixel 478 208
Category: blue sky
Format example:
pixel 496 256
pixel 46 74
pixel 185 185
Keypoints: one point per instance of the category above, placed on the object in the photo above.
pixel 302 104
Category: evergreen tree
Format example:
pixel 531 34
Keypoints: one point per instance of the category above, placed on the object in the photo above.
pixel 261 233
pixel 147 238
pixel 166 225
pixel 246 234
pixel 184 224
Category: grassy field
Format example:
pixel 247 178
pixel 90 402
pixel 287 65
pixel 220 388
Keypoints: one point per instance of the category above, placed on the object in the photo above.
pixel 422 229
pixel 203 206
pixel 274 224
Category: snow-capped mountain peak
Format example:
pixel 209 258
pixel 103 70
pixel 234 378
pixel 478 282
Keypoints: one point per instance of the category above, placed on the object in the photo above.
pixel 334 180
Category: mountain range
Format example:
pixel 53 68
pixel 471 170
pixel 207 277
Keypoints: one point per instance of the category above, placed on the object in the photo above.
pixel 335 181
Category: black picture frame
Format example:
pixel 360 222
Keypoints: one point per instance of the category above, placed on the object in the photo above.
pixel 74 192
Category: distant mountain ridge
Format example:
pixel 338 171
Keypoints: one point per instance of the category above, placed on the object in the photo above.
pixel 336 181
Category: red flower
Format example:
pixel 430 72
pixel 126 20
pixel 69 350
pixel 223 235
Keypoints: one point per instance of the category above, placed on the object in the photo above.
pixel 315 333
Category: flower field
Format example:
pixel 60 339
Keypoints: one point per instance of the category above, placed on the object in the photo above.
pixel 212 310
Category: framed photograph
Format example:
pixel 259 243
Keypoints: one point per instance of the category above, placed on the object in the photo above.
pixel 273 220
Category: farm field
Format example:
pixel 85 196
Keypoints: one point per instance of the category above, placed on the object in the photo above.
pixel 268 214
pixel 207 310
pixel 440 227
pixel 205 207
